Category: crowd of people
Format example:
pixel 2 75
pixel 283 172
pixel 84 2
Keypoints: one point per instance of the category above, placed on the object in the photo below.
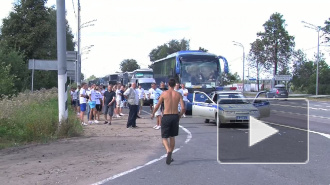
pixel 94 100
pixel 167 105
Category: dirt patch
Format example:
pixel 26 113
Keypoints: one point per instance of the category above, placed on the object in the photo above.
pixel 102 152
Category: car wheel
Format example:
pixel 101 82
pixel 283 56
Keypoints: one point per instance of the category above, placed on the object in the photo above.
pixel 217 121
pixel 206 121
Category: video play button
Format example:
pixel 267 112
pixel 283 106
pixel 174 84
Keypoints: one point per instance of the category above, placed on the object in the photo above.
pixel 259 131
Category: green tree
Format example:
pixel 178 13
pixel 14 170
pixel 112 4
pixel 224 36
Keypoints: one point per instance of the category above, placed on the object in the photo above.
pixel 278 45
pixel 256 57
pixel 168 48
pixel 15 67
pixel 82 77
pixel 326 30
pixel 304 75
pixel 30 29
pixel 202 49
pixel 302 71
pixel 129 65
pixel 229 78
pixel 6 81
pixel 93 77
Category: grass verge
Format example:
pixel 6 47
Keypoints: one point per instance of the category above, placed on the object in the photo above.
pixel 33 117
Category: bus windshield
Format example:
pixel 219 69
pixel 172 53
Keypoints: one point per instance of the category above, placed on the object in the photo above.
pixel 200 72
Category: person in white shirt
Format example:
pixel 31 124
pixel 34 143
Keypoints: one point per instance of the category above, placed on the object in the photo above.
pixel 92 105
pixel 102 90
pixel 88 109
pixel 157 92
pixel 132 96
pixel 118 101
pixel 177 89
pixel 141 99
pixel 83 101
pixel 185 98
pixel 99 99
pixel 77 92
pixel 151 98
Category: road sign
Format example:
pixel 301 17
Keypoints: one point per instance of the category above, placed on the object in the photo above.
pixel 50 65
pixel 259 131
pixel 282 77
pixel 71 55
pixel 71 74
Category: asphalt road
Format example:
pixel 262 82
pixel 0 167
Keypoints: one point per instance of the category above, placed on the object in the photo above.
pixel 196 161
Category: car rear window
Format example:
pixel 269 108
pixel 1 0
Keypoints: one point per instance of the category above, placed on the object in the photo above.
pixel 281 89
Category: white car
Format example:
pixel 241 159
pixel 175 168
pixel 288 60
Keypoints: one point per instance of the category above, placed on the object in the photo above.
pixel 233 107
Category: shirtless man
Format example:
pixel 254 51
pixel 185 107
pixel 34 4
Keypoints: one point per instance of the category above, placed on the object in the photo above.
pixel 171 117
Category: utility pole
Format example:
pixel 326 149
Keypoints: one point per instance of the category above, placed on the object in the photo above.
pixel 318 60
pixel 318 29
pixel 61 57
pixel 79 55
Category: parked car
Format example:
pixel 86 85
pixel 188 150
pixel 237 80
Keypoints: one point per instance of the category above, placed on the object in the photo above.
pixel 279 91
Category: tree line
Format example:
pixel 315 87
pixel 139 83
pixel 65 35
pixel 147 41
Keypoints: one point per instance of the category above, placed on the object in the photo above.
pixel 274 50
pixel 29 32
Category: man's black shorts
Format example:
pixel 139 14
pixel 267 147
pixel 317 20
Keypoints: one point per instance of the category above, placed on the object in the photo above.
pixel 151 101
pixel 170 125
pixel 99 107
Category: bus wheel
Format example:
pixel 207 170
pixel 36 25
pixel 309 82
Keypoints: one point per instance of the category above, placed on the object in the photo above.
pixel 206 121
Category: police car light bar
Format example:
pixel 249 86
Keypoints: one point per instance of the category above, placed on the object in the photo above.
pixel 230 88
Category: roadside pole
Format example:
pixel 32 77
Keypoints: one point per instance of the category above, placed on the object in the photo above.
pixel 61 57
pixel 79 55
pixel 32 76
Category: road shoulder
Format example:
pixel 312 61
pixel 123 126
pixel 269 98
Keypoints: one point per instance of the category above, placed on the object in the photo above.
pixel 103 151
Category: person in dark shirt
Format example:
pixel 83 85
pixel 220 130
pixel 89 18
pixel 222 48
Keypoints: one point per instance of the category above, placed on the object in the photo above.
pixel 109 103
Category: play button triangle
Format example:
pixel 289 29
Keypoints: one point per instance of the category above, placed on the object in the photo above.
pixel 259 131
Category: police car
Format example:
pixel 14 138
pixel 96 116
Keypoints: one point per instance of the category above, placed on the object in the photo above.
pixel 233 107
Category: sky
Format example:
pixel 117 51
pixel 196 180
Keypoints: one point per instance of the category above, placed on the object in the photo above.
pixel 130 29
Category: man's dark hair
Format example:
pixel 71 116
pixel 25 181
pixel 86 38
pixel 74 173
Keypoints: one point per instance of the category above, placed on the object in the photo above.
pixel 171 82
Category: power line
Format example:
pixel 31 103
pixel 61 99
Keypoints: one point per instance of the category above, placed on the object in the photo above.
pixel 74 10
pixel 315 47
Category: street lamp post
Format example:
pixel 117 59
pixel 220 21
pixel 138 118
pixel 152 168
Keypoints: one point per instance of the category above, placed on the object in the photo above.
pixel 241 45
pixel 318 29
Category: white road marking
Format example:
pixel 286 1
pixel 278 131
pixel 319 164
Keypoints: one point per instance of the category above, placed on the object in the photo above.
pixel 303 107
pixel 314 132
pixel 189 136
pixel 314 108
pixel 285 112
pixel 314 116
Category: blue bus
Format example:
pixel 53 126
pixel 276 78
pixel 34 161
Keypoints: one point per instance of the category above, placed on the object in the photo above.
pixel 198 70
